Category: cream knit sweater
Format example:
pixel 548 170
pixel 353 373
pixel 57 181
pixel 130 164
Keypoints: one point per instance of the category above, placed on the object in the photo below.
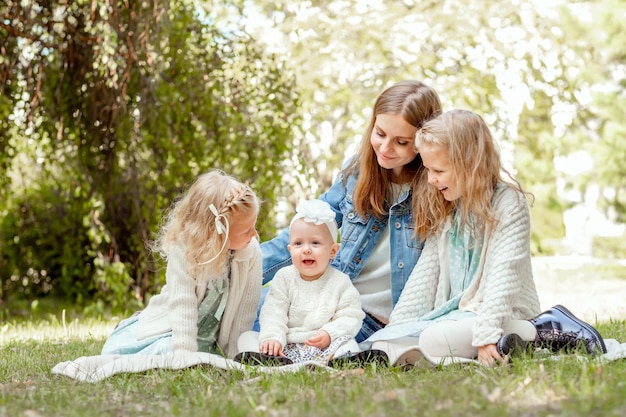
pixel 175 308
pixel 504 288
pixel 295 309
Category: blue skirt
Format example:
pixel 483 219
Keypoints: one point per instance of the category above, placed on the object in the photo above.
pixel 123 341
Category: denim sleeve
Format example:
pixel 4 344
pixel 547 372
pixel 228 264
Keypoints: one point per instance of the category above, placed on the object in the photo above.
pixel 275 255
pixel 334 196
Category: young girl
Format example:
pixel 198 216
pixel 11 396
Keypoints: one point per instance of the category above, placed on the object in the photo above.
pixel 371 199
pixel 473 282
pixel 311 309
pixel 213 276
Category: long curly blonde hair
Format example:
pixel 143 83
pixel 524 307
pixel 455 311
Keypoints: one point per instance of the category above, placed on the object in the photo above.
pixel 476 165
pixel 191 223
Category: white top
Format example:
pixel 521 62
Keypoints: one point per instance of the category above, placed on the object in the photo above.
pixel 374 281
pixel 295 309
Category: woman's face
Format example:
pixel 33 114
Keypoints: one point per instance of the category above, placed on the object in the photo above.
pixel 393 141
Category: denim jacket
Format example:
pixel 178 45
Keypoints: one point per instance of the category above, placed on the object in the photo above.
pixel 359 237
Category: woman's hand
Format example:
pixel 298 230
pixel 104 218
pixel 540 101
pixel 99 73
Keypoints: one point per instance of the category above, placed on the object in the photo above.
pixel 321 340
pixel 488 355
pixel 271 347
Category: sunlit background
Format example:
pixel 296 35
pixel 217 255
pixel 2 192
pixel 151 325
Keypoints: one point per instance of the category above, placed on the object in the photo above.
pixel 109 109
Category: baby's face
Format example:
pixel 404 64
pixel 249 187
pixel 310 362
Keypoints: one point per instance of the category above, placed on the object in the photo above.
pixel 311 247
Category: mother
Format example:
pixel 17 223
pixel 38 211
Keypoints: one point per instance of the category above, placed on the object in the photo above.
pixel 372 201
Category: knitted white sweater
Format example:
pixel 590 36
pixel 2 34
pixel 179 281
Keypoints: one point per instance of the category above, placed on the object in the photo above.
pixel 504 288
pixel 295 309
pixel 175 308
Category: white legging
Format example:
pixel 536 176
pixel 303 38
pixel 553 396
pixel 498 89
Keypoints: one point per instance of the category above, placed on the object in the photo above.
pixel 450 338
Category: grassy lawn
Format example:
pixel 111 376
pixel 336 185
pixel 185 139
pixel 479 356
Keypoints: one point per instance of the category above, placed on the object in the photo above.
pixel 571 386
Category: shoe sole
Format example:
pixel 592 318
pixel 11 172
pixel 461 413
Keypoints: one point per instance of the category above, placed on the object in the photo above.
pixel 260 359
pixel 361 358
pixel 514 345
pixel 409 359
pixel 587 327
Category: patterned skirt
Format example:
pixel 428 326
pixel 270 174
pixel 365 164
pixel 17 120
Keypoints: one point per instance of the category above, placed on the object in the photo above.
pixel 299 352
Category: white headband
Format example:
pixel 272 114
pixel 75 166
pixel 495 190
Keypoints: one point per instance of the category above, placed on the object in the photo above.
pixel 317 212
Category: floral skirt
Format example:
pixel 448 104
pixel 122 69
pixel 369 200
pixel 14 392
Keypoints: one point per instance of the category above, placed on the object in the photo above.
pixel 299 352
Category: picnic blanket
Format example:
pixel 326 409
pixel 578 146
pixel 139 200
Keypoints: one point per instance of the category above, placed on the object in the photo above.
pixel 97 368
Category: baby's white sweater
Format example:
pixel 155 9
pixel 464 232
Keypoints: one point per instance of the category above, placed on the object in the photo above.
pixel 504 288
pixel 295 309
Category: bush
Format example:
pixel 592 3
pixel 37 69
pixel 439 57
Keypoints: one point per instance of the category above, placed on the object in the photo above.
pixel 54 245
pixel 609 247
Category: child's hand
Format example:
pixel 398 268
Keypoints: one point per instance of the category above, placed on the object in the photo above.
pixel 271 347
pixel 488 355
pixel 321 340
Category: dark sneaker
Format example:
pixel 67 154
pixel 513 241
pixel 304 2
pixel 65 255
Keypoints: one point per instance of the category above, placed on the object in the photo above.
pixel 260 359
pixel 360 359
pixel 511 345
pixel 559 330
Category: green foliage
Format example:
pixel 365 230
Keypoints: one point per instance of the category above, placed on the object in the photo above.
pixel 44 241
pixel 57 246
pixel 123 105
pixel 547 222
pixel 610 247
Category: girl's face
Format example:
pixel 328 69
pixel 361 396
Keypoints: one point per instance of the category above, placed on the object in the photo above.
pixel 393 141
pixel 241 230
pixel 440 174
pixel 311 247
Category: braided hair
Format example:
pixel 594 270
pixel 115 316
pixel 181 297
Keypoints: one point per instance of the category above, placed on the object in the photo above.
pixel 200 219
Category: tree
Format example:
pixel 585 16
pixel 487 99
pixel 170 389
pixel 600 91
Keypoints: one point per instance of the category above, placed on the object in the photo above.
pixel 113 109
pixel 516 64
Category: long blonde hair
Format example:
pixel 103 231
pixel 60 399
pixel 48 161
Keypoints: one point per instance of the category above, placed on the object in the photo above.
pixel 476 166
pixel 416 103
pixel 192 224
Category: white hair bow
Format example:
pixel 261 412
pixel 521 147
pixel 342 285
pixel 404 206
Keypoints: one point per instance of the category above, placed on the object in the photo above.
pixel 221 229
pixel 219 226
pixel 317 212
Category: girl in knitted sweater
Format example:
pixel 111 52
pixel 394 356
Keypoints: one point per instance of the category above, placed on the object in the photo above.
pixel 473 283
pixel 213 276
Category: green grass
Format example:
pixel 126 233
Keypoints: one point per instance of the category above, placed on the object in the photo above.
pixel 571 386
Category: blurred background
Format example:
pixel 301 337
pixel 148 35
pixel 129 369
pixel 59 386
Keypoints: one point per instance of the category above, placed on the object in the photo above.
pixel 109 109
